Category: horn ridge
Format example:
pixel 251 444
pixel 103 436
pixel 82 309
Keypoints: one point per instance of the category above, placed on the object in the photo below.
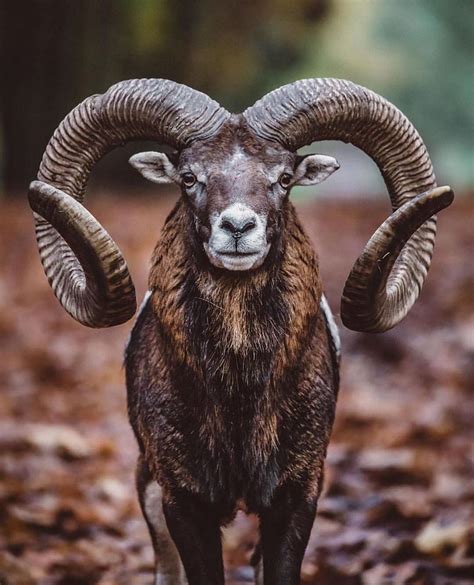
pixel 334 109
pixel 83 264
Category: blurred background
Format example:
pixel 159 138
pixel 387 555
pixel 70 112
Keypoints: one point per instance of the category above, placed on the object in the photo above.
pixel 398 502
pixel 417 53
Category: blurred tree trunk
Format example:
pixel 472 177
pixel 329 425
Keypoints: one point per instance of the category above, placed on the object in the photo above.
pixel 54 53
pixel 51 51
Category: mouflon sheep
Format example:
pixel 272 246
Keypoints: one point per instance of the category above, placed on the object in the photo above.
pixel 232 366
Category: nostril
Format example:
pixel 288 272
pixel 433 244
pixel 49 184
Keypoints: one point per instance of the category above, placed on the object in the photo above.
pixel 228 226
pixel 237 228
pixel 248 225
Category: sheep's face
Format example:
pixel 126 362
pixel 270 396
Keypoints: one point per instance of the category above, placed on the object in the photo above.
pixel 236 185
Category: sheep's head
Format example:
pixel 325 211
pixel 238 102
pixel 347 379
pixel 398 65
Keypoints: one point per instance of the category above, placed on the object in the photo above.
pixel 236 172
pixel 235 184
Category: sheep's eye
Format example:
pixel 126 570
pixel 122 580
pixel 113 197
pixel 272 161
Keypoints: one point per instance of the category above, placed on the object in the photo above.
pixel 285 180
pixel 188 179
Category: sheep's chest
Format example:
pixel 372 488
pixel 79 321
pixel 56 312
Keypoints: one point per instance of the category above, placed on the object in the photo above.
pixel 241 449
pixel 210 399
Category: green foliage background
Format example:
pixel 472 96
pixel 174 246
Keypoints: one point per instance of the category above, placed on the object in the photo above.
pixel 53 53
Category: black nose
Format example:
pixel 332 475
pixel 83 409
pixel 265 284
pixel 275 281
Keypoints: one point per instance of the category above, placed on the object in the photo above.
pixel 238 227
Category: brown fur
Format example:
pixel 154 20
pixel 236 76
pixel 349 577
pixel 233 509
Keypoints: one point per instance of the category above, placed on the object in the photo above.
pixel 228 294
pixel 226 298
pixel 232 387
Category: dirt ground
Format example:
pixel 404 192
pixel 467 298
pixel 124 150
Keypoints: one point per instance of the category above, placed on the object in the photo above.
pixel 398 502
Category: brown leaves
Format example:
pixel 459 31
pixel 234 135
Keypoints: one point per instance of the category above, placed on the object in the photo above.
pixel 441 538
pixel 397 508
pixel 61 440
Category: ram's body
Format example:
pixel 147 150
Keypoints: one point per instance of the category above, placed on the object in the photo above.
pixel 232 380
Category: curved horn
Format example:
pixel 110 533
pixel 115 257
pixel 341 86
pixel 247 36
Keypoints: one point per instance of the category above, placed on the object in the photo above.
pixel 84 266
pixel 372 280
pixel 334 109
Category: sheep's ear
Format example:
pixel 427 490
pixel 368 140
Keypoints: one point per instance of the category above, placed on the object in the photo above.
pixel 314 169
pixel 155 166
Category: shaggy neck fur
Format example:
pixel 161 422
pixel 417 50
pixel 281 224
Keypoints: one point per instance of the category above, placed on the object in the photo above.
pixel 232 329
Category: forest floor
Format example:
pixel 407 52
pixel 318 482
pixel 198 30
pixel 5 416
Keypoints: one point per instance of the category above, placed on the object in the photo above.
pixel 397 507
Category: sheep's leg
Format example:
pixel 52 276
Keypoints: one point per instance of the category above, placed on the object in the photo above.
pixel 168 567
pixel 285 529
pixel 195 529
pixel 257 563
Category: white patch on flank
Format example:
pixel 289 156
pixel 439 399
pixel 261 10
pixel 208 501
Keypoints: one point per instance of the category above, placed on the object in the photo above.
pixel 143 303
pixel 331 324
pixel 259 573
pixel 139 312
pixel 169 569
